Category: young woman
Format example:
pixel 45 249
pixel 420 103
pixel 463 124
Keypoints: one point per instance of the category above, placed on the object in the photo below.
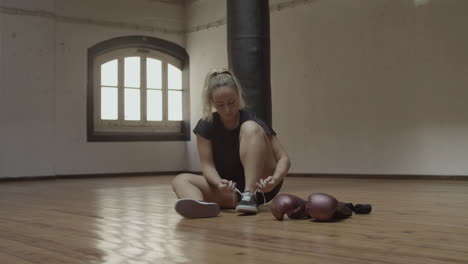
pixel 242 160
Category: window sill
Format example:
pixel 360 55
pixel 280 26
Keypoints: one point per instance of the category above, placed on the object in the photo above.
pixel 133 137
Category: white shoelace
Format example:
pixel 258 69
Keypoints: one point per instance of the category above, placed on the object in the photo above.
pixel 255 193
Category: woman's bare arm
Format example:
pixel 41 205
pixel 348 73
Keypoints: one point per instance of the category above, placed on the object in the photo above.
pixel 205 153
pixel 282 159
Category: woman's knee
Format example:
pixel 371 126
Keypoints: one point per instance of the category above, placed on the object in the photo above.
pixel 251 128
pixel 181 180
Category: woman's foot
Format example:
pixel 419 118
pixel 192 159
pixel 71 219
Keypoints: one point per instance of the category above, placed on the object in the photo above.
pixel 190 208
pixel 248 203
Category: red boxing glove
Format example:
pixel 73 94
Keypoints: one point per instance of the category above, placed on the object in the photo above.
pixel 291 205
pixel 321 206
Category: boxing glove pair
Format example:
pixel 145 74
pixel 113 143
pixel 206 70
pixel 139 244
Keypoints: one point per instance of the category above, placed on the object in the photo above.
pixel 319 206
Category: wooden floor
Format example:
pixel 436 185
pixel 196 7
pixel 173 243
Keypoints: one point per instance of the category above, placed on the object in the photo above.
pixel 131 220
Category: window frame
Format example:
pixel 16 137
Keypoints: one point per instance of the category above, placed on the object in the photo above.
pixel 121 130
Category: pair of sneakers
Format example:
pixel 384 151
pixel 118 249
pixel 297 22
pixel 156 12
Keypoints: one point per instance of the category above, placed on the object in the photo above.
pixel 190 208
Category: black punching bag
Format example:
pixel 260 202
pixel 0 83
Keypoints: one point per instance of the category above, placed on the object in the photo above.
pixel 248 30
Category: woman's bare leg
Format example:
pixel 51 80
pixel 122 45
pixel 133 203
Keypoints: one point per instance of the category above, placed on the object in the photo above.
pixel 256 154
pixel 187 185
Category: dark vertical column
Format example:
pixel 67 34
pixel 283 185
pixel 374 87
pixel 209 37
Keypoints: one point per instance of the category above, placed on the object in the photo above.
pixel 248 29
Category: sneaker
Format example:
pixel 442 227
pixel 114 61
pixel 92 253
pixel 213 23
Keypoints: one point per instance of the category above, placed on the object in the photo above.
pixel 247 204
pixel 190 208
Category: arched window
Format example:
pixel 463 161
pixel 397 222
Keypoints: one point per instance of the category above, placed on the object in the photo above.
pixel 138 90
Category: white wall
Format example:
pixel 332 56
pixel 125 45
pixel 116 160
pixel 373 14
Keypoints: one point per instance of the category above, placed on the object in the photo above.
pixel 43 90
pixel 365 86
pixel 207 51
pixel 28 93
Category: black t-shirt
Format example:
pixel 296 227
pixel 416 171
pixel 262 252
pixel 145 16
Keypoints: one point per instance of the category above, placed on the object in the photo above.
pixel 225 145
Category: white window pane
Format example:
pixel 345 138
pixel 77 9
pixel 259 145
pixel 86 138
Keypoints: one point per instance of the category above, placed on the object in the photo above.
pixel 154 105
pixel 153 73
pixel 132 72
pixel 174 78
pixel 175 105
pixel 132 104
pixel 109 73
pixel 109 103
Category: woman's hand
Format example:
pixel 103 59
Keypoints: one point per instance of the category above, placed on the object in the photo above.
pixel 226 186
pixel 267 184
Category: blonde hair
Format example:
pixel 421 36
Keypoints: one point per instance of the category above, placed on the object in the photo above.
pixel 214 80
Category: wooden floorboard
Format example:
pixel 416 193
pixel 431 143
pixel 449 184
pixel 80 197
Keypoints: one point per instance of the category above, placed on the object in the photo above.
pixel 132 220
